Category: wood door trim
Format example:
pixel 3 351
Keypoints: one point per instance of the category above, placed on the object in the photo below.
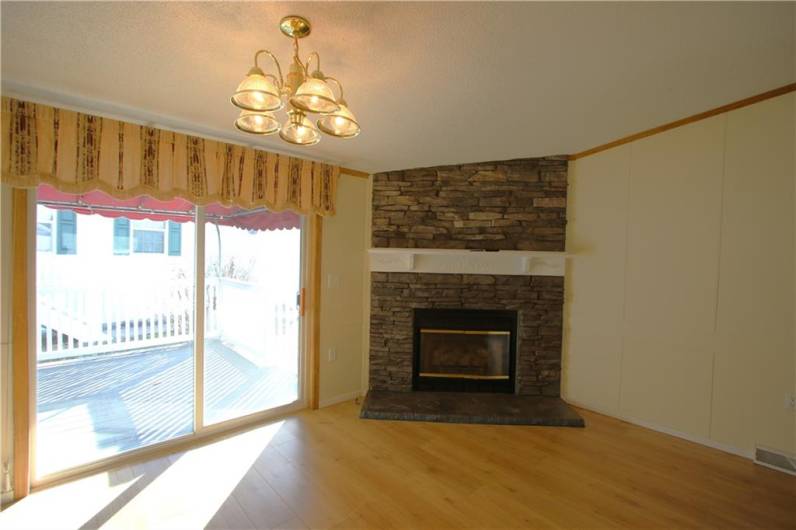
pixel 315 252
pixel 21 362
pixel 690 119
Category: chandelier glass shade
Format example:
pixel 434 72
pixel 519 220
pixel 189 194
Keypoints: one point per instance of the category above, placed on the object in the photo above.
pixel 257 92
pixel 254 122
pixel 340 123
pixel 299 130
pixel 314 95
pixel 261 94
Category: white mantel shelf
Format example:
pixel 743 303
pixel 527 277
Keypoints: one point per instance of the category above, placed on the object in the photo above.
pixel 461 261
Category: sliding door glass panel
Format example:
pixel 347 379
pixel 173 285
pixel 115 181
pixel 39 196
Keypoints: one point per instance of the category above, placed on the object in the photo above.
pixel 251 342
pixel 115 326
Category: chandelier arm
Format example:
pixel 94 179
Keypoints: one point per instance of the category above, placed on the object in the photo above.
pixel 339 86
pixel 276 62
pixel 272 76
pixel 317 62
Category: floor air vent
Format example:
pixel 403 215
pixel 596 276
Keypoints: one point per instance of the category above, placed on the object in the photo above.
pixel 775 460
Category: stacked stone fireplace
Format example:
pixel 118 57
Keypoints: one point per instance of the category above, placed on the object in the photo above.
pixel 473 240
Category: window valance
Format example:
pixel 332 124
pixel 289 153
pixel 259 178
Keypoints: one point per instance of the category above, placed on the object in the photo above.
pixel 76 152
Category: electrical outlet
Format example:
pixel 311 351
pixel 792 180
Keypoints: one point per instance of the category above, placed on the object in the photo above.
pixel 790 402
pixel 332 281
pixel 332 354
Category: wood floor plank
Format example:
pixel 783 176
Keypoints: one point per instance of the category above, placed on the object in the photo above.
pixel 292 524
pixel 310 500
pixel 230 516
pixel 261 504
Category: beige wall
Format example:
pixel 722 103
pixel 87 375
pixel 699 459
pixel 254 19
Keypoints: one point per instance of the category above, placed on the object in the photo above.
pixel 680 285
pixel 342 293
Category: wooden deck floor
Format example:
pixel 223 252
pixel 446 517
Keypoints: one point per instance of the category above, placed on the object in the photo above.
pixel 329 469
pixel 97 407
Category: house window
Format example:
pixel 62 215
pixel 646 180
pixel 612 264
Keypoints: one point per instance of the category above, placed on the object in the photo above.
pixel 67 232
pixel 149 237
pixel 44 230
pixel 121 236
pixel 175 238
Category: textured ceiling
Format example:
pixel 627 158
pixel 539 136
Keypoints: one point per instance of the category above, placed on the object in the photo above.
pixel 431 83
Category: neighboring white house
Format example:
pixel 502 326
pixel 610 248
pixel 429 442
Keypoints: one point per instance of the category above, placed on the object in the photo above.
pixel 66 240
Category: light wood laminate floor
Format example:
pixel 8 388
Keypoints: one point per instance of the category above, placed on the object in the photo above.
pixel 329 469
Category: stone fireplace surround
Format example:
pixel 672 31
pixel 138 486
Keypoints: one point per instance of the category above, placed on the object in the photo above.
pixel 516 207
pixel 538 301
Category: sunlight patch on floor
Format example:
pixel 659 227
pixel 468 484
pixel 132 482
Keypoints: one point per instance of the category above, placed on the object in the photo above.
pixel 69 505
pixel 192 489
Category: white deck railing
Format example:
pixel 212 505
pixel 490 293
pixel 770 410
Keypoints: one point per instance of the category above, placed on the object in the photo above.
pixel 257 322
pixel 78 321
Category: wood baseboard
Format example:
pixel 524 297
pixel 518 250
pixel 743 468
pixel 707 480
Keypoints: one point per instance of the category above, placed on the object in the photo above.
pixel 339 399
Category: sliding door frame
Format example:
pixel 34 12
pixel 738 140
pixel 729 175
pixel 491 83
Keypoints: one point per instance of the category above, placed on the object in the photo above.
pixel 199 321
pixel 23 350
pixel 314 272
pixel 25 400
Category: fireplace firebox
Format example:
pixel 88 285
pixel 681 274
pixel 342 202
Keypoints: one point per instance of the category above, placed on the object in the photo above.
pixel 464 350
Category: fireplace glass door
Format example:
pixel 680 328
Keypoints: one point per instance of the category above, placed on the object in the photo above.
pixel 464 350
pixel 465 354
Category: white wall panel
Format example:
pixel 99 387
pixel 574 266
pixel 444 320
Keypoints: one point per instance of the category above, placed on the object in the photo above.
pixel 704 345
pixel 597 221
pixel 672 275
pixel 755 311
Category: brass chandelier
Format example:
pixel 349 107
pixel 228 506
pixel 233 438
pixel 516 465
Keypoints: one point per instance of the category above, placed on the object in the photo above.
pixel 260 95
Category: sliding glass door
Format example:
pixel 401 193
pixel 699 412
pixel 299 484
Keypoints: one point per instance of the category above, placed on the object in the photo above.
pixel 124 289
pixel 251 339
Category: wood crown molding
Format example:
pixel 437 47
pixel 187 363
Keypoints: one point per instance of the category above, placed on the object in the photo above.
pixel 690 119
pixel 354 172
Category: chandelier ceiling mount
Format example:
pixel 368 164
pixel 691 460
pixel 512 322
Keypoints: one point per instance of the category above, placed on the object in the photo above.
pixel 295 26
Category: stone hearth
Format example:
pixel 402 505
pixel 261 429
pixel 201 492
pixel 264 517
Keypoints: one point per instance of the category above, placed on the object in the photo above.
pixel 448 407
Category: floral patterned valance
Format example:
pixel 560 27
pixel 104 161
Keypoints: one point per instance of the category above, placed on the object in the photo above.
pixel 76 152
